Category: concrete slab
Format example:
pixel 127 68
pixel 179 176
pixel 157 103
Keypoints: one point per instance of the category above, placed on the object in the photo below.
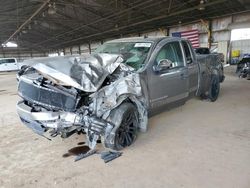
pixel 200 144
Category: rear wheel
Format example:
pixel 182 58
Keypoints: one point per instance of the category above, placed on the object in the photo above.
pixel 214 89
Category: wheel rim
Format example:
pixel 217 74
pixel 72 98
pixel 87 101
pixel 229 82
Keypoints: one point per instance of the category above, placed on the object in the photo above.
pixel 215 89
pixel 126 133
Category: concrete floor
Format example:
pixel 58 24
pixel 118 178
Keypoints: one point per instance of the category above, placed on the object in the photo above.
pixel 200 144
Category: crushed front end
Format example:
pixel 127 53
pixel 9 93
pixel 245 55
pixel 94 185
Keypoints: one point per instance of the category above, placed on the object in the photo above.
pixel 76 95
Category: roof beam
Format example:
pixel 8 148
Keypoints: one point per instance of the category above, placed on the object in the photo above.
pixel 94 22
pixel 144 21
pixel 89 9
pixel 28 20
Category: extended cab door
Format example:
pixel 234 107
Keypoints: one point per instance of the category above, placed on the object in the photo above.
pixel 192 65
pixel 169 85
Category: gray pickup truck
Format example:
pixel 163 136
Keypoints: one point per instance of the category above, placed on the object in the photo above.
pixel 110 94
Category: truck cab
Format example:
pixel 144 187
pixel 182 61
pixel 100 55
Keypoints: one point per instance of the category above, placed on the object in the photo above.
pixel 172 74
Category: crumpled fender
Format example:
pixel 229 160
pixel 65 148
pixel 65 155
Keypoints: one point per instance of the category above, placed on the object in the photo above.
pixel 111 96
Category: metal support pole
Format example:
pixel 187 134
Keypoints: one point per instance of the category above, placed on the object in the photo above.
pixel 210 38
pixel 70 50
pixel 168 30
pixel 79 48
pixel 90 47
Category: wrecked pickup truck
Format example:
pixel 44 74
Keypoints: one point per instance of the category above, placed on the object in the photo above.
pixel 110 94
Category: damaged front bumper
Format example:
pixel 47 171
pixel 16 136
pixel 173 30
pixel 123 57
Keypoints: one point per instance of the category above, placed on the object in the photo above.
pixel 41 121
pixel 64 123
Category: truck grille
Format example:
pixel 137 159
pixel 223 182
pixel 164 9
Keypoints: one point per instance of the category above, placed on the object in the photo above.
pixel 46 97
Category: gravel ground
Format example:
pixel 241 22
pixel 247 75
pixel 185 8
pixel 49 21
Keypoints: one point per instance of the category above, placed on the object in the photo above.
pixel 200 144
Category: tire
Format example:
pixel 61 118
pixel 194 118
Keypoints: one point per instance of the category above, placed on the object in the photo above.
pixel 214 88
pixel 127 124
pixel 222 78
pixel 221 74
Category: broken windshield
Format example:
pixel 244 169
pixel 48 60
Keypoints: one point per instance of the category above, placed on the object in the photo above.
pixel 133 53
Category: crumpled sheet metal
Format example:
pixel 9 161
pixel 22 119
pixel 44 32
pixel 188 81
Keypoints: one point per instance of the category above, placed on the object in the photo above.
pixel 113 95
pixel 86 73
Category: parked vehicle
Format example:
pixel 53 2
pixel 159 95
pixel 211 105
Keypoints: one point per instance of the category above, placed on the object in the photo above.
pixel 206 51
pixel 243 67
pixel 8 64
pixel 110 94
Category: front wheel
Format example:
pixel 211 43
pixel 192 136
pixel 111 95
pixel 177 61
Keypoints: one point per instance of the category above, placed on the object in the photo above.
pixel 125 117
pixel 214 88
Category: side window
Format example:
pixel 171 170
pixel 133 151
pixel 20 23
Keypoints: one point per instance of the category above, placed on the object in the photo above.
pixel 172 52
pixel 187 52
pixel 10 60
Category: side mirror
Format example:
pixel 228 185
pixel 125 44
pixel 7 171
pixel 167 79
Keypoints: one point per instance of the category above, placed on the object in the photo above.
pixel 163 65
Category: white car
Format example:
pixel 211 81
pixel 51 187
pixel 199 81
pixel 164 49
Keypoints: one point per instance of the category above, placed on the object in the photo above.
pixel 8 64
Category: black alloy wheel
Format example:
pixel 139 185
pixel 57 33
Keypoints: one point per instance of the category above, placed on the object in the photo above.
pixel 126 133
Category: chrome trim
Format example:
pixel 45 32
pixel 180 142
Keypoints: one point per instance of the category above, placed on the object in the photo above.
pixel 48 119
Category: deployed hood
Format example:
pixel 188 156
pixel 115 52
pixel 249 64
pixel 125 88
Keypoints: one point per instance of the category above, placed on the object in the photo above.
pixel 86 72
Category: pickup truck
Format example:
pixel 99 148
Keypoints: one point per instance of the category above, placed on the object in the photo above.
pixel 8 64
pixel 109 95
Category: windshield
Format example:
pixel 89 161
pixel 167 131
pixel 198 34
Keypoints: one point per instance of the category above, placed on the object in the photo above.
pixel 133 53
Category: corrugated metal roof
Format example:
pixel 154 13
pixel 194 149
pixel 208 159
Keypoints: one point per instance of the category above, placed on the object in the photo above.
pixel 79 21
